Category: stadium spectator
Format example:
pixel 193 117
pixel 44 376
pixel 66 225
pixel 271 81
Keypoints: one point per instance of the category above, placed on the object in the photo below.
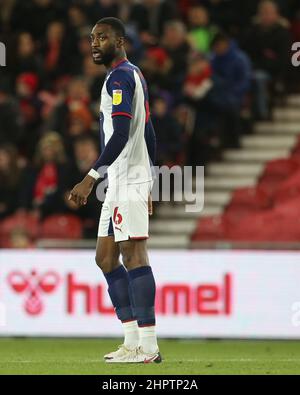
pixel 5 15
pixel 80 121
pixel 268 44
pixel 77 99
pixel 27 58
pixel 10 173
pixel 10 120
pixel 200 89
pixel 44 182
pixel 134 47
pixel 150 18
pixel 84 44
pixel 34 16
pixel 83 50
pixel 295 28
pixel 56 52
pixel 104 8
pixel 94 77
pixel 174 41
pixel 198 80
pixel 156 66
pixel 168 131
pixel 201 30
pixel 223 12
pixel 232 68
pixel 77 18
pixel 85 155
pixel 30 109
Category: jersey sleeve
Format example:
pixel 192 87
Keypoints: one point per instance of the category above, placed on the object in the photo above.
pixel 116 143
pixel 121 87
pixel 150 139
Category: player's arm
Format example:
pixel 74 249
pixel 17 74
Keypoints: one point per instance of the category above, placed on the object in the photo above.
pixel 150 139
pixel 121 88
pixel 115 145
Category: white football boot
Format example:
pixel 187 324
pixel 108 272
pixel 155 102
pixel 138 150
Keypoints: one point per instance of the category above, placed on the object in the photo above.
pixel 121 352
pixel 137 356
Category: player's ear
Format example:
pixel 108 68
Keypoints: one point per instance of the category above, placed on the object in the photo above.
pixel 121 42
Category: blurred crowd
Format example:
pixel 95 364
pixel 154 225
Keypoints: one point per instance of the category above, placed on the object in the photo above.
pixel 213 68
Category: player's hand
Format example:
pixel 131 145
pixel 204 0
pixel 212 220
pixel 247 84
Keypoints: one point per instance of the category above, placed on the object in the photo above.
pixel 81 191
pixel 150 205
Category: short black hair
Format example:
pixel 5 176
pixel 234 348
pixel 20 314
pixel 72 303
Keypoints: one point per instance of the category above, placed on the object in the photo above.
pixel 116 24
pixel 220 36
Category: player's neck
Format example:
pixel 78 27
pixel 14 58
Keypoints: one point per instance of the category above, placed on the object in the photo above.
pixel 117 60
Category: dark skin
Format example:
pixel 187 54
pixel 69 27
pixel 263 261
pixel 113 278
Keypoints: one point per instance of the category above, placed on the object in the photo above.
pixel 107 49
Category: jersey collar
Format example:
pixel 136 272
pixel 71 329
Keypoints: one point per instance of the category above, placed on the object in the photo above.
pixel 116 64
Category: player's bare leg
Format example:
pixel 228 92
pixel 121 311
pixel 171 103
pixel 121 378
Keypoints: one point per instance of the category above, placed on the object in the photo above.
pixel 107 254
pixel 107 258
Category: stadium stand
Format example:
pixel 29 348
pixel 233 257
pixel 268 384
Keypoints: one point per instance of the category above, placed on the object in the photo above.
pixel 267 211
pixel 216 101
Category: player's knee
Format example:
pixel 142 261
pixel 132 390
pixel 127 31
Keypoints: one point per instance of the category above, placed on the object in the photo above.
pixel 134 255
pixel 133 261
pixel 99 260
pixel 106 263
pixel 127 260
pixel 127 255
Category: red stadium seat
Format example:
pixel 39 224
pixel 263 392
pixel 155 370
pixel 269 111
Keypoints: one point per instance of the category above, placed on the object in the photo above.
pixel 245 202
pixel 268 188
pixel 209 228
pixel 281 168
pixel 61 227
pixel 25 221
pixel 233 214
pixel 288 208
pixel 288 189
pixel 18 222
pixel 275 173
pixel 278 225
pixel 250 197
pixel 255 227
pixel 296 158
pixel 289 214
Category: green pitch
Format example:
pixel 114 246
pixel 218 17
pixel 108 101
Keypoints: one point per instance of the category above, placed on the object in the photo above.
pixel 73 356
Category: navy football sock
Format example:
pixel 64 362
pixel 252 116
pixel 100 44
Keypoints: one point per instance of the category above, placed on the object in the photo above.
pixel 142 289
pixel 118 289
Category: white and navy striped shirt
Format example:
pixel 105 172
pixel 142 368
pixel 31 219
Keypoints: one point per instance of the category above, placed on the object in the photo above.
pixel 124 96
